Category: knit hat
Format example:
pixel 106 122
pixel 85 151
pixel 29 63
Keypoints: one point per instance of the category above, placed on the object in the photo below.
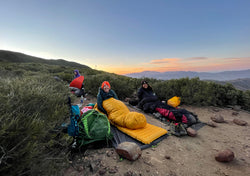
pixel 105 83
pixel 144 82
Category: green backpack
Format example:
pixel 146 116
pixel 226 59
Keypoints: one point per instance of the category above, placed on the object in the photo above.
pixel 94 126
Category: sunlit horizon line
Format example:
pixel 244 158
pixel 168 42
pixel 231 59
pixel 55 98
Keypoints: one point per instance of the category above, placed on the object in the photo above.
pixel 178 70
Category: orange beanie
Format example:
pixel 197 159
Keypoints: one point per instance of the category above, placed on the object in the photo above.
pixel 105 83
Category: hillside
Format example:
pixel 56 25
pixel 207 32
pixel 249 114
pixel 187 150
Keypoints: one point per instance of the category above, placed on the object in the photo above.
pixel 241 84
pixel 10 56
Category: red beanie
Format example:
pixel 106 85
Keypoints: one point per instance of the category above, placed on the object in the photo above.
pixel 105 83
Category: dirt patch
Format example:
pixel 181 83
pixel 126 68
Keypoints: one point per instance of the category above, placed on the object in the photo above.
pixel 177 156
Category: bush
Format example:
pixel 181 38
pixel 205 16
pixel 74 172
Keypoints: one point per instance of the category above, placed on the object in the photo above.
pixel 30 109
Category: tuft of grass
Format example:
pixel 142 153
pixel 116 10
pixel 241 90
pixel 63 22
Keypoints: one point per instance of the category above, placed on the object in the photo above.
pixel 30 109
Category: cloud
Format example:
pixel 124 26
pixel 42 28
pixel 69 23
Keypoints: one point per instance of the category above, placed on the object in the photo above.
pixel 237 59
pixel 163 61
pixel 197 58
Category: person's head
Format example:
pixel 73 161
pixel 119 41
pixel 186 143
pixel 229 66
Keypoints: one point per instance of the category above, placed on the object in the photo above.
pixel 106 86
pixel 76 72
pixel 144 84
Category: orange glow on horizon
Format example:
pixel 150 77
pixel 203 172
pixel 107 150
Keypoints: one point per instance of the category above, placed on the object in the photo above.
pixel 199 64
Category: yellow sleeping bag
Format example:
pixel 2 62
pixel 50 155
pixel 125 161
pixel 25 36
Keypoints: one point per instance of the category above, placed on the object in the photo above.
pixel 133 124
pixel 119 114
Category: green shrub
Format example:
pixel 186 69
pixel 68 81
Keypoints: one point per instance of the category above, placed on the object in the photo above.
pixel 30 109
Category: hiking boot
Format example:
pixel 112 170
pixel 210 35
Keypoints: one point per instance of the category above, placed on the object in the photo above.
pixel 171 127
pixel 182 130
pixel 174 129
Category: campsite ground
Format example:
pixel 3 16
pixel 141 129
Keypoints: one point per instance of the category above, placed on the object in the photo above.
pixel 177 156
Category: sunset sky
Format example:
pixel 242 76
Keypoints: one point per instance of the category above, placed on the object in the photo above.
pixel 126 36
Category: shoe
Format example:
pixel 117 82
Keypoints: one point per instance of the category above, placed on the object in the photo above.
pixel 171 127
pixel 174 129
pixel 182 129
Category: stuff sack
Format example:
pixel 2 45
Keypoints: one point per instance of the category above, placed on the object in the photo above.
pixel 174 101
pixel 93 126
pixel 73 129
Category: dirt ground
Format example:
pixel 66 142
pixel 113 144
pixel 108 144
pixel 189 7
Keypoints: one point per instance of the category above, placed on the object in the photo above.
pixel 177 156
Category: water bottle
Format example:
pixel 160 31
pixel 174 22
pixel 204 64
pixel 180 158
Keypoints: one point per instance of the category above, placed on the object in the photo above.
pixel 81 99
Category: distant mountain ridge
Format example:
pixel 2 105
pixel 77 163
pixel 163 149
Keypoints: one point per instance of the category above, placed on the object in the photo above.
pixel 219 76
pixel 241 84
pixel 10 56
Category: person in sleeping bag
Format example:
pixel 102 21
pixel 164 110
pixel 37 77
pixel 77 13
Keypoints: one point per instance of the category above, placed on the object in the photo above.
pixel 105 92
pixel 146 96
pixel 76 74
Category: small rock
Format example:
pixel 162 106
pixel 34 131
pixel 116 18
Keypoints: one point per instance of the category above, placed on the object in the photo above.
pixel 216 110
pixel 126 99
pixel 191 132
pixel 110 153
pixel 218 119
pixel 235 113
pixel 240 122
pixel 102 171
pixel 130 173
pixel 224 156
pixel 147 160
pixel 242 159
pixel 94 165
pixel 80 168
pixel 211 123
pixel 129 150
pixel 237 108
pixel 113 170
pixel 167 157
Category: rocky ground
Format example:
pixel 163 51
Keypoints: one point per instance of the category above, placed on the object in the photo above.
pixel 177 156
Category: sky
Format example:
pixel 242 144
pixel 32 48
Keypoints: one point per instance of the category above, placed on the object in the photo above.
pixel 128 36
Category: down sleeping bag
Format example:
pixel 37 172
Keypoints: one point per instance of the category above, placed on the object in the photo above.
pixel 119 114
pixel 133 124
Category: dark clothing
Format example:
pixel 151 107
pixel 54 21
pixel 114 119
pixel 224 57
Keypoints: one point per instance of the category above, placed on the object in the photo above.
pixel 146 104
pixel 101 96
pixel 145 93
pixel 146 98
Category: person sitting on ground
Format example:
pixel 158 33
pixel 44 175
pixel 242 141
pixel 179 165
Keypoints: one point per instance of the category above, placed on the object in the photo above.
pixel 146 96
pixel 77 86
pixel 105 92
pixel 76 73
